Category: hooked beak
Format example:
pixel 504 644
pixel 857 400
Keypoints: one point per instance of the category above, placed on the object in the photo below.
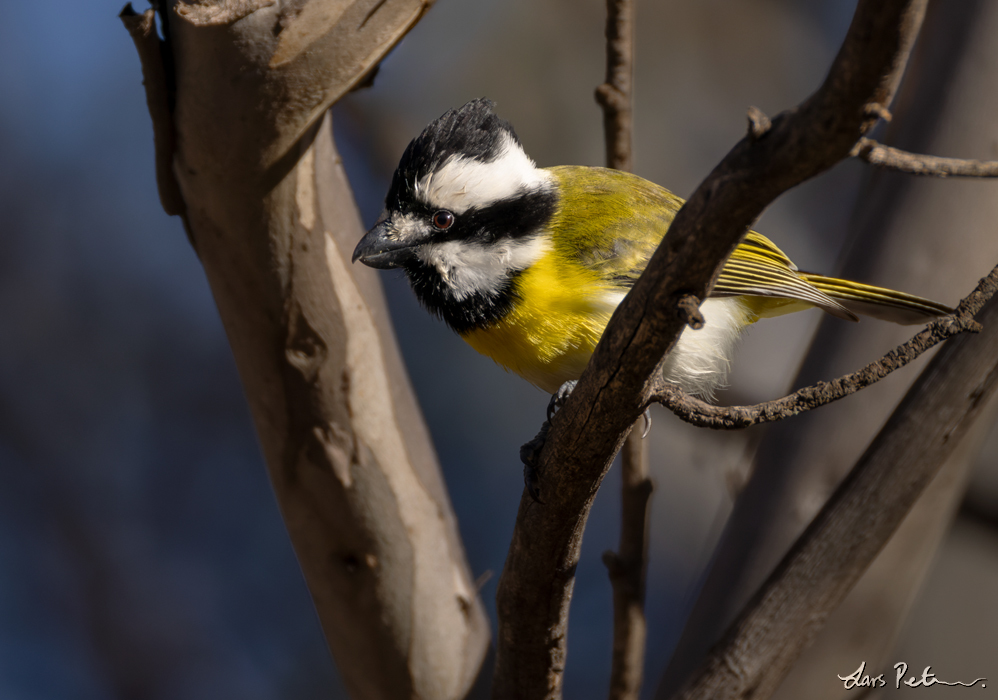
pixel 381 249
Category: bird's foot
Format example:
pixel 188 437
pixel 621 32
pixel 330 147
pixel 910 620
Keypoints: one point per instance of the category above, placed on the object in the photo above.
pixel 559 397
pixel 530 453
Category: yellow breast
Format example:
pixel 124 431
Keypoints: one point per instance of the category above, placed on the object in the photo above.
pixel 559 316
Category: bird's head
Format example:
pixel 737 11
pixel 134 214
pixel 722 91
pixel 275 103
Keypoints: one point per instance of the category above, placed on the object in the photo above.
pixel 465 203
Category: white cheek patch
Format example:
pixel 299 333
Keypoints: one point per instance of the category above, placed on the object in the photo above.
pixel 462 183
pixel 472 268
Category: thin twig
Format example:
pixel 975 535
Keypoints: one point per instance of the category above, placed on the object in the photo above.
pixel 702 414
pixel 615 94
pixel 892 158
pixel 628 566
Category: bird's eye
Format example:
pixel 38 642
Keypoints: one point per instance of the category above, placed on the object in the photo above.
pixel 443 219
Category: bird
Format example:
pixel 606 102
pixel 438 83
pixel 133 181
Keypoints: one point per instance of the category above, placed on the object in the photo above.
pixel 527 264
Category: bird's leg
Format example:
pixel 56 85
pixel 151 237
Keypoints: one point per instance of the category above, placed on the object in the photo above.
pixel 530 452
pixel 559 397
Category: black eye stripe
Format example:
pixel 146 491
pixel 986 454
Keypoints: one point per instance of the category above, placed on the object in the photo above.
pixel 509 218
pixel 512 218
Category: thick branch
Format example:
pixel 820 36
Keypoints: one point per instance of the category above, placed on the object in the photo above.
pixel 348 455
pixel 702 414
pixel 536 584
pixel 892 158
pixel 857 521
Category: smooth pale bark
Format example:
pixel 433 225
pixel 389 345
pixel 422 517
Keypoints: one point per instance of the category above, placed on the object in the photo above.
pixel 930 237
pixel 270 212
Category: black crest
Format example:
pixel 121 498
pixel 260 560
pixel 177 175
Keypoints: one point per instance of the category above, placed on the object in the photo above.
pixel 472 131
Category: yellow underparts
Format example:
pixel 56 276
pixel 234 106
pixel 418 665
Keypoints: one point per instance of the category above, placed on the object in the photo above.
pixel 561 313
pixel 554 326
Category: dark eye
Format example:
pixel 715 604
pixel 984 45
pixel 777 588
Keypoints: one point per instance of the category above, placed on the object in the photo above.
pixel 443 220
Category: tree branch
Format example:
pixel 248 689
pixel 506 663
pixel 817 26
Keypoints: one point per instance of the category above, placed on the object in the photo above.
pixel 350 460
pixel 536 585
pixel 855 524
pixel 615 94
pixel 628 566
pixel 892 158
pixel 704 415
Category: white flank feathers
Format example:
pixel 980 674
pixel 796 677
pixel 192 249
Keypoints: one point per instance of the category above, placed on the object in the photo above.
pixel 700 361
pixel 462 183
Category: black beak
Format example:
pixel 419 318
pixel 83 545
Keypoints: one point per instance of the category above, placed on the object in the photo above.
pixel 379 249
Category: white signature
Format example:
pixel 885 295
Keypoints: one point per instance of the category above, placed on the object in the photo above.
pixel 860 679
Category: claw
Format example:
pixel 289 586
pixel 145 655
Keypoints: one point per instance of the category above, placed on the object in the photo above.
pixel 559 398
pixel 647 416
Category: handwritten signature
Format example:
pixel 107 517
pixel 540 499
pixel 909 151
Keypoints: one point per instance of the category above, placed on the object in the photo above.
pixel 861 679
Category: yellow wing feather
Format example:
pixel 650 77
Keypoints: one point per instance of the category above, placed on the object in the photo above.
pixel 758 268
pixel 623 218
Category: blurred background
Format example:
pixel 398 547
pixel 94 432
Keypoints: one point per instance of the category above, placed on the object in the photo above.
pixel 141 551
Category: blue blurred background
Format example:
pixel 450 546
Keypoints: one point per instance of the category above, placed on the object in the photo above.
pixel 141 552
